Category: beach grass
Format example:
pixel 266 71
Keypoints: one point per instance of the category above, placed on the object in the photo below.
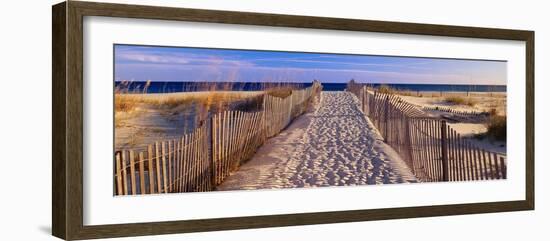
pixel 127 102
pixel 459 100
pixel 386 89
pixel 281 92
pixel 123 104
pixel 127 99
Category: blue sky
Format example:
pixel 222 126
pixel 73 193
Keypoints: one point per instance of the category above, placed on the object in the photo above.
pixel 140 63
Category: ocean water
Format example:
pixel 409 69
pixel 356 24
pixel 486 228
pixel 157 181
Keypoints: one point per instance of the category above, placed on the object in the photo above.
pixel 172 86
pixel 447 88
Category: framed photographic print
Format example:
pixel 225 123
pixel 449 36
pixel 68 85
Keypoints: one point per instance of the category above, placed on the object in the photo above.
pixel 171 120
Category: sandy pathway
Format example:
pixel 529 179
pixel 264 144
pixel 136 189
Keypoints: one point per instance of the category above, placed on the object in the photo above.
pixel 333 146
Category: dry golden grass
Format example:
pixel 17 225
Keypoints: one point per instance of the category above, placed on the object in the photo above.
pixel 205 102
pixel 127 102
pixel 205 99
pixel 123 104
pixel 127 98
pixel 281 92
pixel 459 100
pixel 386 89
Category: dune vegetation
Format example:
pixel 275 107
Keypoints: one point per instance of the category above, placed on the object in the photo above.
pixel 460 100
pixel 496 126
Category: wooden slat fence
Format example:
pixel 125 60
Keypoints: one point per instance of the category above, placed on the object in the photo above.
pixel 202 159
pixel 235 137
pixel 459 113
pixel 166 166
pixel 281 111
pixel 430 147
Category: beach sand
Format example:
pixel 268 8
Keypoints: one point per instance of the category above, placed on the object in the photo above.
pixel 335 145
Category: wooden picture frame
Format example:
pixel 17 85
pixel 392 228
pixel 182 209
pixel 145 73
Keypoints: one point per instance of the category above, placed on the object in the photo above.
pixel 67 124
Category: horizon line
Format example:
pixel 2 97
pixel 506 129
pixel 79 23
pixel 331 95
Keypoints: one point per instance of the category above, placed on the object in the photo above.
pixel 294 82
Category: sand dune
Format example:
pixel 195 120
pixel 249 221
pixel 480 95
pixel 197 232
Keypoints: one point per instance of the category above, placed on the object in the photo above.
pixel 335 145
pixel 164 116
pixel 484 101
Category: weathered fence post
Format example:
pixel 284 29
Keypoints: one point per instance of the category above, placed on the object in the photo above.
pixel 367 103
pixel 213 150
pixel 408 141
pixel 386 106
pixel 444 156
pixel 503 167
